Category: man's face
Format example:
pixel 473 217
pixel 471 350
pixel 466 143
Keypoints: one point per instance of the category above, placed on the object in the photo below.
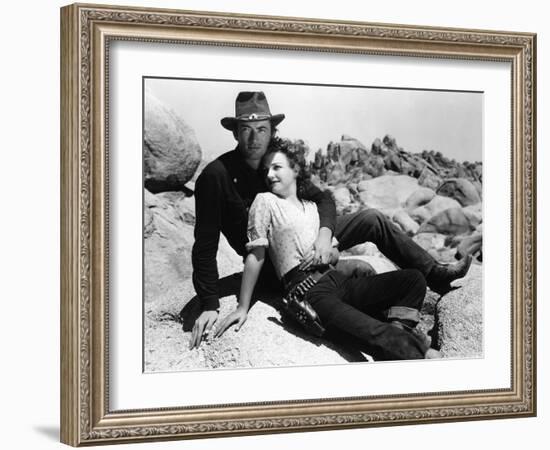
pixel 253 138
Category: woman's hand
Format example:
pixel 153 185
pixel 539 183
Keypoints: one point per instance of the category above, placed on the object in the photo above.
pixel 238 317
pixel 334 256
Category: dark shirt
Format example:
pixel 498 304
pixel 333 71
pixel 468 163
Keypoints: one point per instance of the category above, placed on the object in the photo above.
pixel 224 192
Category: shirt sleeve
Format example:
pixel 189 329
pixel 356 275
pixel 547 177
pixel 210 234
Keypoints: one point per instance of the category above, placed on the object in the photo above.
pixel 208 208
pixel 259 223
pixel 325 205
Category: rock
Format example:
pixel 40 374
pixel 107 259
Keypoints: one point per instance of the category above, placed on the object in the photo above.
pixel 474 213
pixel 418 198
pixel 479 187
pixel 470 245
pixel 393 162
pixel 267 339
pixel 352 151
pixel 459 318
pixel 436 205
pixel 430 241
pixel 386 192
pixel 365 249
pixel 380 263
pixel 374 166
pixel 390 142
pixel 408 225
pixel 336 175
pixel 168 240
pixel 460 189
pixel 342 198
pixel 450 221
pixel 429 178
pixel 171 151
pixel 436 245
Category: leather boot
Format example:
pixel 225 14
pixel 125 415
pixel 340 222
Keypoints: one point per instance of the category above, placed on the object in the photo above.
pixel 440 277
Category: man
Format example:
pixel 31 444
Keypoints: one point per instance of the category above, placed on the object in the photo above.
pixel 226 188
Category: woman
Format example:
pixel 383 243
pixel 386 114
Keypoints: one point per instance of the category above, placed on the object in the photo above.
pixel 378 311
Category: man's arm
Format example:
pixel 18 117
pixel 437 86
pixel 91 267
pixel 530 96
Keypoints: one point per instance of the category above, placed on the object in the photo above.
pixel 325 206
pixel 208 208
pixel 323 253
pixel 208 204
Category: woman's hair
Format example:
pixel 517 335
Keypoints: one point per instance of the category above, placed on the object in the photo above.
pixel 295 153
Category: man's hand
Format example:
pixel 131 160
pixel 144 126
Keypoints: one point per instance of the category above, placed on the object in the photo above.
pixel 205 325
pixel 322 250
pixel 334 256
pixel 238 317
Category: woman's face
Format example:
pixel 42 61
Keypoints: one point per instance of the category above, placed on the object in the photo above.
pixel 280 177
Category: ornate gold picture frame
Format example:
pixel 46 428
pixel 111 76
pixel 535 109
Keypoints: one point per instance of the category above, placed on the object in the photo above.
pixel 87 34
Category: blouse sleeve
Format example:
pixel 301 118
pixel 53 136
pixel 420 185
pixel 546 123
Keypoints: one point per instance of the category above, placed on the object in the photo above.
pixel 259 223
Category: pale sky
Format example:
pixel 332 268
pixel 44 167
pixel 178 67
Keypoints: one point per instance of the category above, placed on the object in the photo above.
pixel 449 122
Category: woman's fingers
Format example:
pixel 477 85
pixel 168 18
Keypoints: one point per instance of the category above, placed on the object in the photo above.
pixel 240 323
pixel 222 327
pixel 228 321
pixel 233 318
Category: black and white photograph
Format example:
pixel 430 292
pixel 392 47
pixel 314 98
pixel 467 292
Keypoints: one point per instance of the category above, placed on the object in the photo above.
pixel 292 224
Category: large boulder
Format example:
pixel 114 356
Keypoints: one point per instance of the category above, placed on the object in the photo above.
pixel 418 198
pixel 459 318
pixel 452 221
pixel 352 151
pixel 342 199
pixel 436 205
pixel 169 220
pixel 171 151
pixel 474 214
pixel 365 249
pixel 429 178
pixel 470 245
pixel 431 242
pixel 408 225
pixel 461 190
pixel 267 338
pixel 386 192
pixel 379 262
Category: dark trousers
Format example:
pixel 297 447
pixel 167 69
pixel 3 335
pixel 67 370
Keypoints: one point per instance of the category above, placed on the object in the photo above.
pixel 363 307
pixel 371 225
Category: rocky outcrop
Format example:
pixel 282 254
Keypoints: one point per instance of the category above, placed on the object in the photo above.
pixel 349 160
pixel 451 221
pixel 461 190
pixel 386 193
pixel 418 198
pixel 343 200
pixel 471 245
pixel 435 206
pixel 378 262
pixel 171 151
pixel 458 327
pixel 407 224
pixel 267 339
pixel 169 220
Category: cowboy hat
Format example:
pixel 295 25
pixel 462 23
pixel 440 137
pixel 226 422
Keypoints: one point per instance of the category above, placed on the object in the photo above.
pixel 251 107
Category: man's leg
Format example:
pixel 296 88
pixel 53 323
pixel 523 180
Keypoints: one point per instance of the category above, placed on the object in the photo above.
pixel 372 226
pixel 377 337
pixel 392 296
